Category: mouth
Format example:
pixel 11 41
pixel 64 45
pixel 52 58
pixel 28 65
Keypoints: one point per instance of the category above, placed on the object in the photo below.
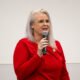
pixel 45 28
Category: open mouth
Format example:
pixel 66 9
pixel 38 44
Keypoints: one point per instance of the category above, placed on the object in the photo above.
pixel 44 28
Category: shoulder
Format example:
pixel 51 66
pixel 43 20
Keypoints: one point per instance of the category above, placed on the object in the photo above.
pixel 22 41
pixel 58 45
pixel 25 42
pixel 60 49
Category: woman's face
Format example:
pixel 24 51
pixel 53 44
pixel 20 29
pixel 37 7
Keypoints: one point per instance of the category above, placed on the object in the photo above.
pixel 41 23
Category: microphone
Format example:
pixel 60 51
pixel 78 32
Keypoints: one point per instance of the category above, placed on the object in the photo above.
pixel 45 35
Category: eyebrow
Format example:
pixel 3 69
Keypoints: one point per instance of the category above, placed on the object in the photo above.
pixel 42 20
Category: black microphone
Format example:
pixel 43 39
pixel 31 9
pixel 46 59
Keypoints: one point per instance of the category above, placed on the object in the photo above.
pixel 45 35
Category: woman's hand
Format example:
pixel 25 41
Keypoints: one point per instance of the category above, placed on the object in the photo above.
pixel 42 44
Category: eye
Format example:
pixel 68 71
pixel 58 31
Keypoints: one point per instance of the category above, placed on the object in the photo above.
pixel 41 21
pixel 47 21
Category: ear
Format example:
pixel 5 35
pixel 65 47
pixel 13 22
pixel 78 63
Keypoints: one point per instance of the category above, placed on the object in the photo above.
pixel 33 25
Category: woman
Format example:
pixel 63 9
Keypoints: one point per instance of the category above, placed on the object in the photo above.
pixel 30 63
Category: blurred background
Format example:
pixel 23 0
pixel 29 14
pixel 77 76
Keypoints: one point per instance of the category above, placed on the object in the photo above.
pixel 65 17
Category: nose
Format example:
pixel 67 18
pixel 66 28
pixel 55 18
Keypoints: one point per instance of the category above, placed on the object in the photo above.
pixel 45 22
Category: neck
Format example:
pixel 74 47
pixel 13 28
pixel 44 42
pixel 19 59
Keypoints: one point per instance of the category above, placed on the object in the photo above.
pixel 37 37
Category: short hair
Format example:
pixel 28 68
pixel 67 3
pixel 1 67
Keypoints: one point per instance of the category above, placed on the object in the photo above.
pixel 29 28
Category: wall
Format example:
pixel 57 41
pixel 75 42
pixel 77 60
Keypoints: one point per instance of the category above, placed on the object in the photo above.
pixel 7 72
pixel 65 16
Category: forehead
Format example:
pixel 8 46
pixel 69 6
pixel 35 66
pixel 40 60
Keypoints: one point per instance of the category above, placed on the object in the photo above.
pixel 40 15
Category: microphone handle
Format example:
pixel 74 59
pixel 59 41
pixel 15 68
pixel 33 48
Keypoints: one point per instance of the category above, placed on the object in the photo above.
pixel 44 51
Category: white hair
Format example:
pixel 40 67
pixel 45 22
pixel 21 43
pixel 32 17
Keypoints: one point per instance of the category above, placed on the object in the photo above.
pixel 29 28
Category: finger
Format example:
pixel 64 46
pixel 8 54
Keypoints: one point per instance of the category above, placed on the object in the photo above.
pixel 44 38
pixel 45 43
pixel 42 41
pixel 44 46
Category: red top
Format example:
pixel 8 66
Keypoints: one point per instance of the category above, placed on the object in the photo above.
pixel 29 66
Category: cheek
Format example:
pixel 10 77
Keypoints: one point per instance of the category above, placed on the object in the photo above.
pixel 37 28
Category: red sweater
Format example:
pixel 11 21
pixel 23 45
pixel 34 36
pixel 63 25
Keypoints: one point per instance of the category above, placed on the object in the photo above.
pixel 29 66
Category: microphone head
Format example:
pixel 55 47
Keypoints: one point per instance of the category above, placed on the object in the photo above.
pixel 45 34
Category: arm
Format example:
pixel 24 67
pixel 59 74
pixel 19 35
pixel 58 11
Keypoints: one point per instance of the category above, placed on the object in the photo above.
pixel 64 72
pixel 24 66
